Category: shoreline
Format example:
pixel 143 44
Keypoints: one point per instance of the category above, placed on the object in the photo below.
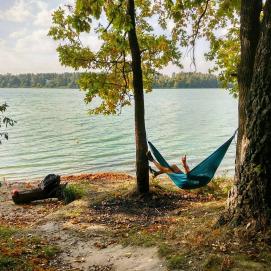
pixel 227 174
pixel 79 175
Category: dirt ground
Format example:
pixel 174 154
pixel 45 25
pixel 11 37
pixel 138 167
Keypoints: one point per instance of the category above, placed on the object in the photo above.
pixel 111 228
pixel 82 243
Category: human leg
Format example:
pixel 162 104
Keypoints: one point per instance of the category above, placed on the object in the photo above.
pixel 175 169
pixel 172 169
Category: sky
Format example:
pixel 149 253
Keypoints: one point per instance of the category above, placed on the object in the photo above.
pixel 26 48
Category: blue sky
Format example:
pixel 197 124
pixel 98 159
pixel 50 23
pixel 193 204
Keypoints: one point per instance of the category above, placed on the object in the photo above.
pixel 25 46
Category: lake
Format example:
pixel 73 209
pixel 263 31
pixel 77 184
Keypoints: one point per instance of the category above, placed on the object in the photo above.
pixel 54 133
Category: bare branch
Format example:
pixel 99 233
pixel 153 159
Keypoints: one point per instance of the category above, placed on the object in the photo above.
pixel 196 32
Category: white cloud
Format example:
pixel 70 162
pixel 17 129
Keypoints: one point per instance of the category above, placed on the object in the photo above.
pixel 18 34
pixel 27 48
pixel 36 42
pixel 43 19
pixel 170 25
pixel 19 12
pixel 92 41
pixel 25 61
pixel 42 5
pixel 202 65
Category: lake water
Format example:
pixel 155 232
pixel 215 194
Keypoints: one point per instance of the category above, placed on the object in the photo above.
pixel 54 133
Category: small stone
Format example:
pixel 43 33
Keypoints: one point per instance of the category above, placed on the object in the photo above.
pixel 128 255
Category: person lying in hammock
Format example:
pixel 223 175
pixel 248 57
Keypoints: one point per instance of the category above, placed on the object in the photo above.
pixel 172 169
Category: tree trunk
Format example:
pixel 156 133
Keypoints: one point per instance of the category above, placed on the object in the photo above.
pixel 249 36
pixel 251 201
pixel 142 166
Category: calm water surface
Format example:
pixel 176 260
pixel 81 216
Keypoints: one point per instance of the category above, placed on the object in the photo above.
pixel 54 133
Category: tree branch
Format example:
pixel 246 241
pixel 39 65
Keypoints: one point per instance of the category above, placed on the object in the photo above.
pixel 196 32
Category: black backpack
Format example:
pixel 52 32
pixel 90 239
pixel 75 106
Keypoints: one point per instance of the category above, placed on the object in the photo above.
pixel 50 182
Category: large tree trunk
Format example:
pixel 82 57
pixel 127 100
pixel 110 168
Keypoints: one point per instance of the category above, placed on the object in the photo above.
pixel 251 199
pixel 142 166
pixel 249 36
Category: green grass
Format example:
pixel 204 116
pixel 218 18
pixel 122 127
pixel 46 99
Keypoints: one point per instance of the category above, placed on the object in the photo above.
pixel 73 192
pixel 165 250
pixel 212 263
pixel 22 252
pixel 176 262
pixel 6 232
pixel 50 251
pixel 218 187
pixel 139 239
pixel 7 263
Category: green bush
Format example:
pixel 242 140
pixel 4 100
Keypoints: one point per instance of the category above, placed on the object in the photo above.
pixel 72 192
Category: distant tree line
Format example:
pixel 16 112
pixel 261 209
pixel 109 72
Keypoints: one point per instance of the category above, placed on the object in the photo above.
pixel 69 80
pixel 40 80
pixel 186 80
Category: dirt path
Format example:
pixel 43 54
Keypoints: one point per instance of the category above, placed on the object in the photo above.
pixel 91 252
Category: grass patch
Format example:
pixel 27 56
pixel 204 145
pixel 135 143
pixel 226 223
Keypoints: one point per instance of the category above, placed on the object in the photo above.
pixel 212 263
pixel 7 263
pixel 266 257
pixel 139 238
pixel 50 251
pixel 176 261
pixel 218 187
pixel 22 252
pixel 7 232
pixel 164 250
pixel 73 192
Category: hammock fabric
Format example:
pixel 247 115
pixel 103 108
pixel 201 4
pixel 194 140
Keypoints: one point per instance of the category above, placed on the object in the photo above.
pixel 200 175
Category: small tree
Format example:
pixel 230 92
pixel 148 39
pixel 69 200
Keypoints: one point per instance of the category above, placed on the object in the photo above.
pixel 126 62
pixel 4 122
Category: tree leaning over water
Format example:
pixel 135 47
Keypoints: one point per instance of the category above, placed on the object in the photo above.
pixel 123 65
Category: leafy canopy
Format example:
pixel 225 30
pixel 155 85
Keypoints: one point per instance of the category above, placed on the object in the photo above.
pixel 107 69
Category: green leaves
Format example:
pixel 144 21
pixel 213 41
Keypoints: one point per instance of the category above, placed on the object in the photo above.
pixel 4 122
pixel 75 56
pixel 107 69
pixel 89 8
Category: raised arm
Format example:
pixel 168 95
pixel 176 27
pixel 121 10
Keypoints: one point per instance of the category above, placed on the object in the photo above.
pixel 185 165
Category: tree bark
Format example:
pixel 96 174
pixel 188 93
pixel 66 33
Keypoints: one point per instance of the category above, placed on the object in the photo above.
pixel 251 201
pixel 249 37
pixel 142 166
pixel 27 196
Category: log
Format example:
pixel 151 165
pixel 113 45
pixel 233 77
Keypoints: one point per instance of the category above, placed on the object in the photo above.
pixel 27 196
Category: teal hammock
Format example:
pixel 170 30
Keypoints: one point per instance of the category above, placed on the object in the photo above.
pixel 200 175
